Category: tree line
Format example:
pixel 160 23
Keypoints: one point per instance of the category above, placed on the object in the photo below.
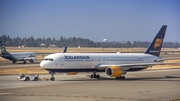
pixel 76 41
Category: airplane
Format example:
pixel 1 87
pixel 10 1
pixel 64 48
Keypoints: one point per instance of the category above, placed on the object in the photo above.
pixel 18 56
pixel 113 64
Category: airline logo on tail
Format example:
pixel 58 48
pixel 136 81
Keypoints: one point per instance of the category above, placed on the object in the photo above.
pixel 3 49
pixel 158 43
pixel 155 46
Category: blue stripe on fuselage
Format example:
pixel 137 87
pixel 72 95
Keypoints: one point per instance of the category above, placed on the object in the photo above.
pixel 87 70
pixel 74 70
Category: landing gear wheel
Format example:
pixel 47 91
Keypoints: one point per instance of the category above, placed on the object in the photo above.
pixel 36 79
pixel 120 78
pixel 52 78
pixel 117 78
pixel 97 76
pixel 94 75
pixel 27 79
pixel 123 77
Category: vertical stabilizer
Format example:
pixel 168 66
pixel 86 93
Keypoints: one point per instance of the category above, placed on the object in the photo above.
pixel 155 46
pixel 65 49
pixel 3 49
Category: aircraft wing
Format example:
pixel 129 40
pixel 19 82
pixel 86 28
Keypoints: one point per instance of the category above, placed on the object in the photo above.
pixel 30 58
pixel 139 64
pixel 173 58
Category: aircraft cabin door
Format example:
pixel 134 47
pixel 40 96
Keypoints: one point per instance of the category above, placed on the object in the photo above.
pixel 61 61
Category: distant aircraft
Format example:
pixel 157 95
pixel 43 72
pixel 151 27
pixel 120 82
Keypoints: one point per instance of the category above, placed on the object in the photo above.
pixel 19 56
pixel 113 64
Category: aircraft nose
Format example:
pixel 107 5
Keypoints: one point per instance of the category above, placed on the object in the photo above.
pixel 43 64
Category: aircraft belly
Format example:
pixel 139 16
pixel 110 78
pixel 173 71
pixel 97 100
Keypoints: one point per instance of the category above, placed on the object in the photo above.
pixel 137 68
pixel 9 57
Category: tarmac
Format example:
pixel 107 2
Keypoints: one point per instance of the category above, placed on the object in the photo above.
pixel 146 85
pixel 19 64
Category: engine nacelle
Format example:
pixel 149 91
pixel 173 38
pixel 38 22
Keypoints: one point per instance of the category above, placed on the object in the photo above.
pixel 114 71
pixel 71 73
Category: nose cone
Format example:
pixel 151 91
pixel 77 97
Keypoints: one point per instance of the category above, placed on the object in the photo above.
pixel 43 64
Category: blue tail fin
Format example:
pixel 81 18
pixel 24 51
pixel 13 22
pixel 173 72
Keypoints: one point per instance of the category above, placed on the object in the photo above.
pixel 155 46
pixel 3 49
pixel 65 49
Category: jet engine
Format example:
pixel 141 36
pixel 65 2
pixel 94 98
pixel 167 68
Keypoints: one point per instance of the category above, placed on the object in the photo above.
pixel 70 73
pixel 114 71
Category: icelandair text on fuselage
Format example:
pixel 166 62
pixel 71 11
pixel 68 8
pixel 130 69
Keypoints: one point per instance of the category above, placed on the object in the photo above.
pixel 76 57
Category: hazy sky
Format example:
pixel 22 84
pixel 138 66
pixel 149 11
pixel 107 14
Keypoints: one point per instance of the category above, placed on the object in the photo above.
pixel 116 20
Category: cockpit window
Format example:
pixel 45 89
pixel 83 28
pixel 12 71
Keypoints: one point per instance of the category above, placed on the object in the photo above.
pixel 50 59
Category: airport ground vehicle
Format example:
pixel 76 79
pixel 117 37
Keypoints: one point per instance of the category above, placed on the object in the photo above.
pixel 24 77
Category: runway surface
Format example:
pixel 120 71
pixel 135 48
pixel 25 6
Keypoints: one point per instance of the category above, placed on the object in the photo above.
pixel 8 64
pixel 148 85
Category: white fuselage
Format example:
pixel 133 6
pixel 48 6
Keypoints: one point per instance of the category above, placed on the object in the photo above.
pixel 84 62
pixel 21 56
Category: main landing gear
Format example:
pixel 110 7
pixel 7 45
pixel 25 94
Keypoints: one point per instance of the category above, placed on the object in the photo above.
pixel 94 75
pixel 13 61
pixel 120 78
pixel 24 61
pixel 52 76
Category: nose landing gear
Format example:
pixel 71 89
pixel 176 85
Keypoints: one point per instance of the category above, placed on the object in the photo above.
pixel 52 76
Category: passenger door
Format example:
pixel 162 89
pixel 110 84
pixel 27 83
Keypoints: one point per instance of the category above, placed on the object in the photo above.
pixel 61 61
